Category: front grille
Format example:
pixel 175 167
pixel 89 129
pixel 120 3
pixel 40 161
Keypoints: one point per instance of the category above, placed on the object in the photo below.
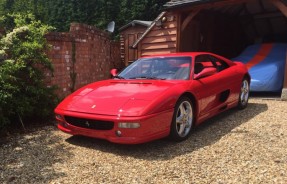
pixel 90 123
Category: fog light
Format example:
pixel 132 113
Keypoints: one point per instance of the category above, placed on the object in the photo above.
pixel 118 133
pixel 129 125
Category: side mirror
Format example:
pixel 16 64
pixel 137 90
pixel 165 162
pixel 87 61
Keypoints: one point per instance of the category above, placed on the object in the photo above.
pixel 205 72
pixel 114 72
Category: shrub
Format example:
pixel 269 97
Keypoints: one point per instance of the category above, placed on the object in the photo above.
pixel 23 93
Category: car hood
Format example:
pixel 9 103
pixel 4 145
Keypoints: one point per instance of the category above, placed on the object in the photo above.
pixel 112 97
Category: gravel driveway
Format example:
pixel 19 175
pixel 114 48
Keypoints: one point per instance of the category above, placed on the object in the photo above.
pixel 248 146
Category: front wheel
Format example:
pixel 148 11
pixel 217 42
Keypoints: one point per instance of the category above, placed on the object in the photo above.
pixel 182 120
pixel 244 94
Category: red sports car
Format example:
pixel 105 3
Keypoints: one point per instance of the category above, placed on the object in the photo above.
pixel 156 97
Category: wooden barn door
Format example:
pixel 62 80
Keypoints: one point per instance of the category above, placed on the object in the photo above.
pixel 131 53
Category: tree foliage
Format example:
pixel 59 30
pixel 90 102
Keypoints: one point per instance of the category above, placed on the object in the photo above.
pixel 22 44
pixel 60 13
pixel 23 92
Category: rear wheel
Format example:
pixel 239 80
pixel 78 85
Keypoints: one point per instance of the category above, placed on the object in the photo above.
pixel 244 94
pixel 182 121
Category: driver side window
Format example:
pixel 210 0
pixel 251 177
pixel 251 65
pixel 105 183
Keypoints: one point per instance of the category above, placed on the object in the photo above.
pixel 220 65
pixel 201 62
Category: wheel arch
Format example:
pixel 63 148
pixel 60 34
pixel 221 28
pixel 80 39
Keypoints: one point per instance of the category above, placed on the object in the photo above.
pixel 241 103
pixel 247 75
pixel 174 134
pixel 194 103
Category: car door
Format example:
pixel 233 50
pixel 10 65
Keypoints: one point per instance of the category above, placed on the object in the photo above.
pixel 230 79
pixel 213 91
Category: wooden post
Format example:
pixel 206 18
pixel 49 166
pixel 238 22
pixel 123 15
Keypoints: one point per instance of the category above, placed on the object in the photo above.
pixel 284 90
pixel 178 32
pixel 280 5
pixel 283 8
pixel 189 18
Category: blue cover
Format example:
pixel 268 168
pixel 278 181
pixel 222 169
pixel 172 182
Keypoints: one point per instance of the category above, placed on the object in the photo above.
pixel 268 75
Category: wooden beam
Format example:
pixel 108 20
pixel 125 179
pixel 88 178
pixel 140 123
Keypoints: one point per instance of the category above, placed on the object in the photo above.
pixel 284 90
pixel 285 78
pixel 267 15
pixel 189 18
pixel 281 6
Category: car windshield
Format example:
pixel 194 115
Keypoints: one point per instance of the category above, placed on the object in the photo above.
pixel 162 68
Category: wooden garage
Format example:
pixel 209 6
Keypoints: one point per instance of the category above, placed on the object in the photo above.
pixel 224 27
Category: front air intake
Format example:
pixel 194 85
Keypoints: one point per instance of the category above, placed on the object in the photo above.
pixel 90 123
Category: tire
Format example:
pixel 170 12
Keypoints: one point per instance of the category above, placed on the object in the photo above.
pixel 244 94
pixel 182 121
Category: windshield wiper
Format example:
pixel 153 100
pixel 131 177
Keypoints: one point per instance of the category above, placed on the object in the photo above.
pixel 118 77
pixel 145 77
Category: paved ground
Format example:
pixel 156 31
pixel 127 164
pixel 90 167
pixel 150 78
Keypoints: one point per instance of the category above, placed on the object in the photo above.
pixel 248 146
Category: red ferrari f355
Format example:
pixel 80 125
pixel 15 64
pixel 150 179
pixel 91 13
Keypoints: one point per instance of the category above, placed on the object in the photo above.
pixel 155 97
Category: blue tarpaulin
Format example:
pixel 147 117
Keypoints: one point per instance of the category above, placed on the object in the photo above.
pixel 265 67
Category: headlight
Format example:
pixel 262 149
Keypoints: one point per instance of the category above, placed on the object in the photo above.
pixel 129 125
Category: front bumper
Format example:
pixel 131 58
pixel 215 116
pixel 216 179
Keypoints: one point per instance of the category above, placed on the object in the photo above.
pixel 152 127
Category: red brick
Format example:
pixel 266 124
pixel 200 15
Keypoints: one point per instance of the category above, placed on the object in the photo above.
pixel 95 55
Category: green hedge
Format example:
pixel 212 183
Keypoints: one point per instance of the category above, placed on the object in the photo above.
pixel 23 93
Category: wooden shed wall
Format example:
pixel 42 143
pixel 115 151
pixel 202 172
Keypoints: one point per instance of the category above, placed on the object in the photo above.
pixel 161 39
pixel 127 38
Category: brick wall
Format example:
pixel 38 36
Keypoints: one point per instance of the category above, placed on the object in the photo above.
pixel 84 52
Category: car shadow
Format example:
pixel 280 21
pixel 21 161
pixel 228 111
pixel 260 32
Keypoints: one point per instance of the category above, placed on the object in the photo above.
pixel 203 135
pixel 266 95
